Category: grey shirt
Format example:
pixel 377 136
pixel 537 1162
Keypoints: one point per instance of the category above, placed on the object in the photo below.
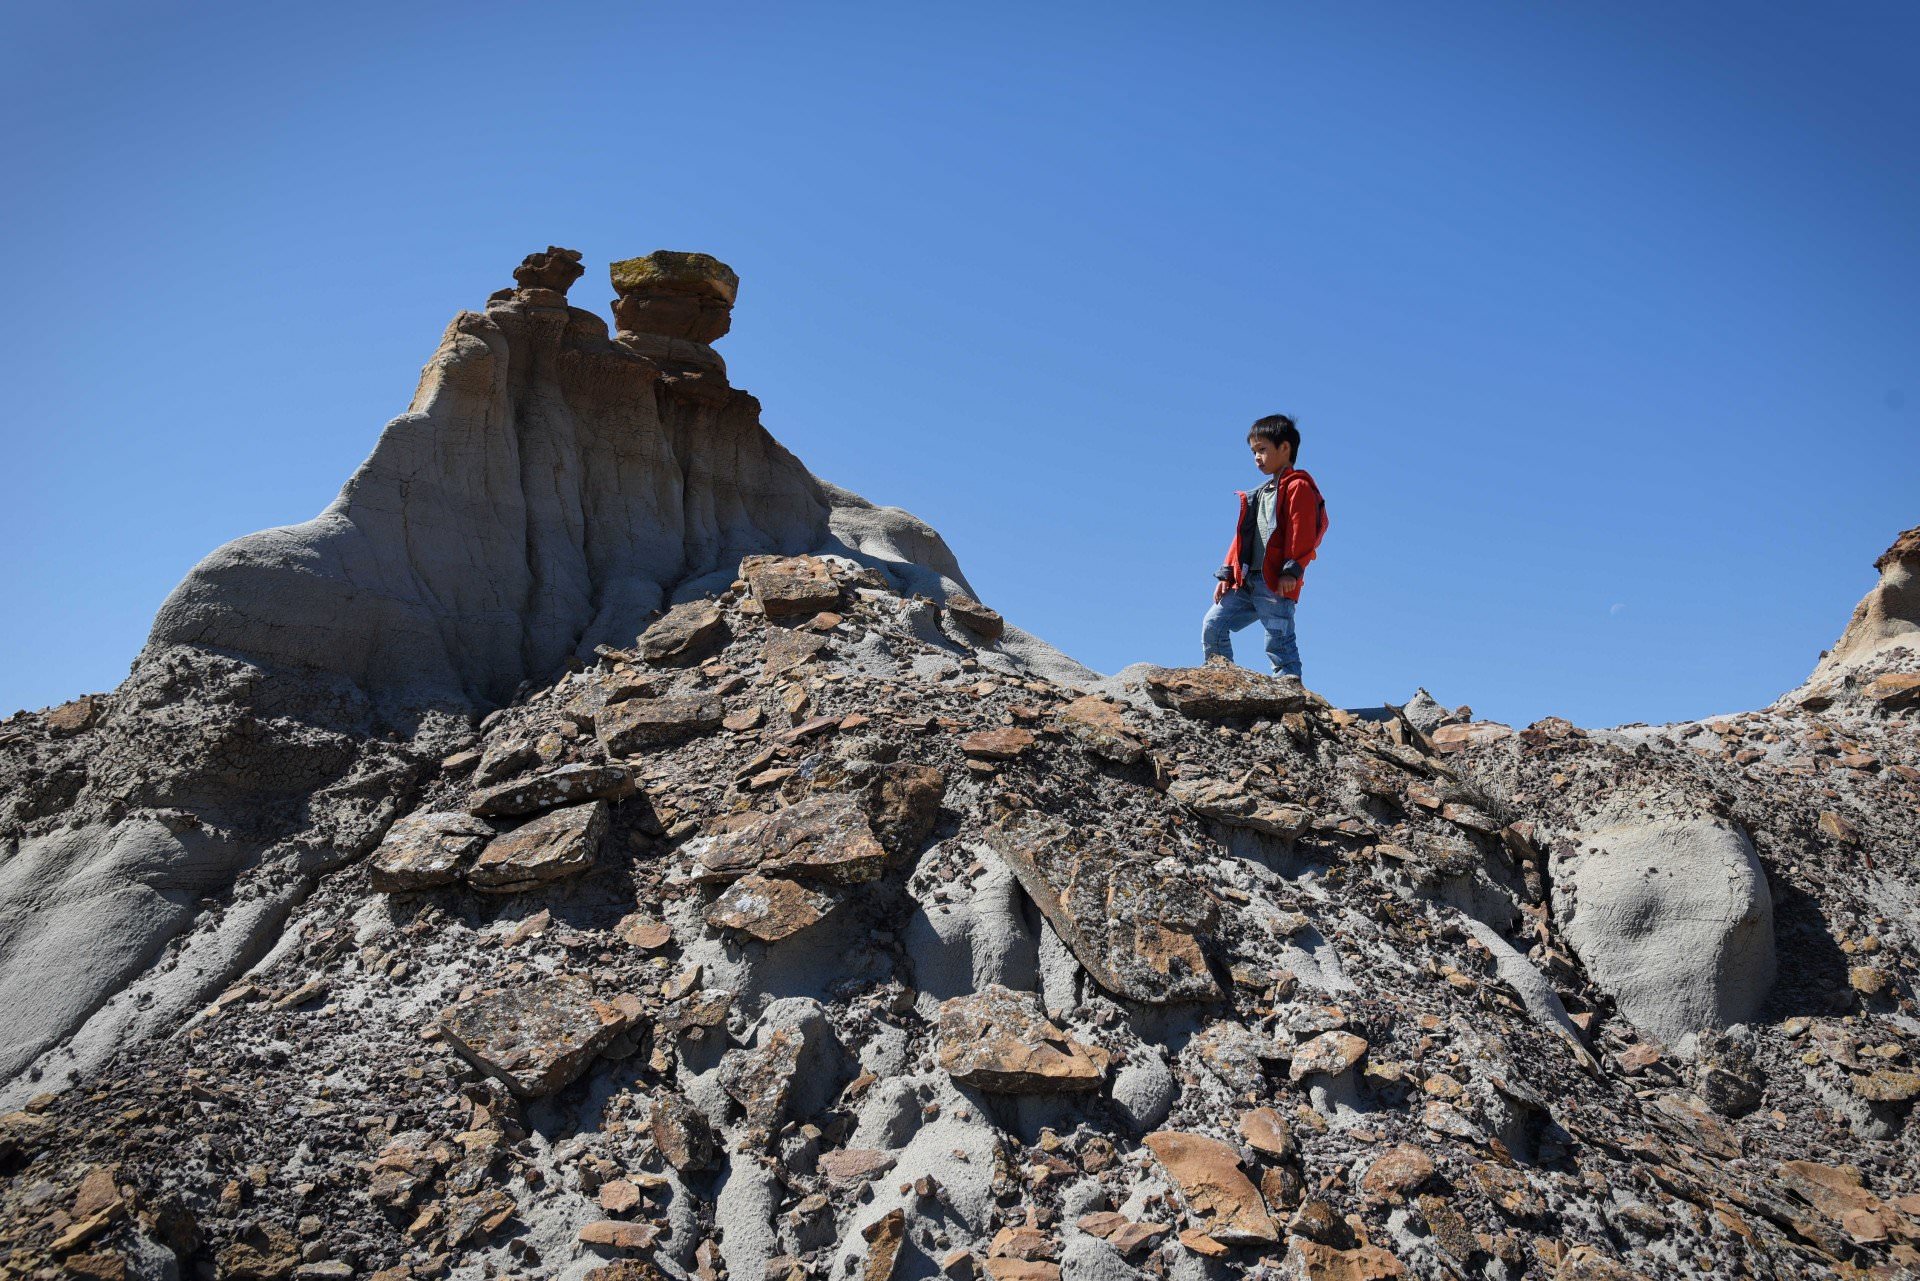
pixel 1263 516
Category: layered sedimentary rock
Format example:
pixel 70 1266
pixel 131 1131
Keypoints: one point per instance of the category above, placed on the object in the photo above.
pixel 1878 655
pixel 551 488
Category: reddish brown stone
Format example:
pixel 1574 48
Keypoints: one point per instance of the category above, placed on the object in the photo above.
pixel 1214 1187
pixel 539 1038
pixel 999 1041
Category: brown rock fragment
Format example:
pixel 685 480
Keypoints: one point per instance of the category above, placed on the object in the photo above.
pixel 845 1166
pixel 264 1252
pixel 975 617
pixel 903 804
pixel 997 744
pixel 1213 1186
pixel 568 785
pixel 683 1135
pixel 1315 1261
pixel 630 726
pixel 644 932
pixel 1396 1173
pixel 999 1041
pixel 791 586
pixel 1101 728
pixel 1218 691
pixel 684 634
pixel 884 1237
pixel 560 843
pixel 1238 807
pixel 1136 928
pixel 1120 1232
pixel 1330 1053
pixel 770 908
pixel 619 1235
pixel 1022 1270
pixel 72 717
pixel 538 1038
pixel 823 838
pixel 424 850
pixel 1268 1132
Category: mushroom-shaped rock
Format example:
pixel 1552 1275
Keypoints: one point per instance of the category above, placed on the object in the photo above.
pixel 1000 1041
pixel 1220 690
pixel 557 844
pixel 1672 918
pixel 1215 1189
pixel 538 1038
pixel 669 294
pixel 424 850
pixel 1886 617
pixel 554 269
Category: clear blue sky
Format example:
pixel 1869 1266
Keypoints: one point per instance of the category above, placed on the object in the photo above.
pixel 1602 322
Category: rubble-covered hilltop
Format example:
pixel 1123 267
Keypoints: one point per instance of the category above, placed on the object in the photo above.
pixel 826 926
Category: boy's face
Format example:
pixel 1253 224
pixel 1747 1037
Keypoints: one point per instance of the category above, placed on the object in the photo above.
pixel 1269 457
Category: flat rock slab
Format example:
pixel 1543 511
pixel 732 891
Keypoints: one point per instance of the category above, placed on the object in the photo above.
pixel 537 1039
pixel 568 785
pixel 686 633
pixel 1329 1054
pixel 976 618
pixel 787 586
pixel 558 844
pixel 823 838
pixel 1238 807
pixel 1101 728
pixel 1219 691
pixel 1136 929
pixel 425 850
pixel 1214 1187
pixel 771 908
pixel 639 723
pixel 997 744
pixel 1000 1041
pixel 786 650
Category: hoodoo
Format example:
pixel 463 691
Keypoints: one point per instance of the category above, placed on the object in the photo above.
pixel 595 847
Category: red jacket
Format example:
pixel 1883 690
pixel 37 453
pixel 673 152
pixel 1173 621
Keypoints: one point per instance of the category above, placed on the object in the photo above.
pixel 1299 520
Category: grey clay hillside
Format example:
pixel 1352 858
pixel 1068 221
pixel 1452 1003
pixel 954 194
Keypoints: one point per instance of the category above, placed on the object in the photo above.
pixel 595 847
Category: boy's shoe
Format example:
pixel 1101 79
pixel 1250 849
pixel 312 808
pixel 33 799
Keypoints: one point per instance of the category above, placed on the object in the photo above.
pixel 1218 660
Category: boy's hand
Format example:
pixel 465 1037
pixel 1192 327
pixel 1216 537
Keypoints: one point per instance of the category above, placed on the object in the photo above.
pixel 1287 584
pixel 1219 591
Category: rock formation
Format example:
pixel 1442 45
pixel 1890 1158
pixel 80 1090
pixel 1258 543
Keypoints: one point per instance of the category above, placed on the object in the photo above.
pixel 596 848
pixel 1876 654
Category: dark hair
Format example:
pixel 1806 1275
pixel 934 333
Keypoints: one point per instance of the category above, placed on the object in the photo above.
pixel 1279 429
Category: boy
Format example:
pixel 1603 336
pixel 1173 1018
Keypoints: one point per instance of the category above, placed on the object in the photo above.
pixel 1275 538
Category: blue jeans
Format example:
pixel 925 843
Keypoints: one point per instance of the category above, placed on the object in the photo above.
pixel 1239 608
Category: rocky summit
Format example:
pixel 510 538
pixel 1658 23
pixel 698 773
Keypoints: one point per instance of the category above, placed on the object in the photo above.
pixel 595 847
